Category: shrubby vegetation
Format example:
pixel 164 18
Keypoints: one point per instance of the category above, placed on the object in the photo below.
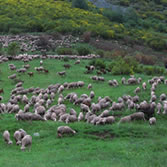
pixel 127 65
pixel 123 65
pixel 65 51
pixel 82 4
pixel 13 49
pixel 77 17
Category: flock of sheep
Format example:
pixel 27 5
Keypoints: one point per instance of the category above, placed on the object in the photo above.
pixel 97 113
pixel 33 42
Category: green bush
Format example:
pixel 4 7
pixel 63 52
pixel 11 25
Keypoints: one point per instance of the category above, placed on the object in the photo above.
pixel 65 51
pixel 157 44
pixel 13 49
pixel 86 37
pixel 15 31
pixel 116 15
pixel 153 70
pixel 149 70
pixel 82 4
pixel 1 49
pixel 66 59
pixel 123 66
pixel 100 53
pixel 98 63
pixel 83 50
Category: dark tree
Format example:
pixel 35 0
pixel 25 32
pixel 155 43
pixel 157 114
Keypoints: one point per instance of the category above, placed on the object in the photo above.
pixel 82 4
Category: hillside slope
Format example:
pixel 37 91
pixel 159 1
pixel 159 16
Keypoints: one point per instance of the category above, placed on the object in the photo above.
pixel 120 22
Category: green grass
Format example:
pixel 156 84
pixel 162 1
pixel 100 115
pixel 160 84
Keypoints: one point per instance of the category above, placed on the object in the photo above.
pixel 134 144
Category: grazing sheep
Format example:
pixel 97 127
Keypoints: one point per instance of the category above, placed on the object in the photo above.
pixel 152 121
pixel 6 137
pixel 147 109
pixel 115 82
pixel 139 80
pixel 90 86
pixel 125 119
pixel 40 110
pixel 25 99
pixel 63 73
pixel 61 130
pixel 95 78
pixel 20 84
pixel 23 133
pixel 60 100
pixel 1 91
pixel 153 98
pixel 71 118
pixel 77 62
pixel 63 117
pixel 15 109
pixel 26 142
pixel 163 97
pixel 67 66
pixel 137 116
pixel 81 116
pixel 84 108
pixel 1 98
pixel 137 90
pixel 165 108
pixel 123 80
pixel 106 120
pixel 109 120
pixel 28 117
pixel 61 88
pixel 48 103
pixel 159 108
pixel 52 96
pixel 73 112
pixel 132 81
pixel 144 85
pixel 135 99
pixel 17 137
pixel 41 62
pixel 12 76
pixel 92 94
pixel 105 113
pixel 80 84
pixel 30 74
pixel 26 108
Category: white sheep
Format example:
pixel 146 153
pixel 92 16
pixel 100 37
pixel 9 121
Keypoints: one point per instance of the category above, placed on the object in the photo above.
pixel 80 116
pixel 137 116
pixel 159 108
pixel 26 142
pixel 144 85
pixel 123 80
pixel 61 130
pixel 84 108
pixel 17 137
pixel 152 121
pixel 6 137
pixel 90 86
pixel 92 94
pixel 137 90
pixel 125 119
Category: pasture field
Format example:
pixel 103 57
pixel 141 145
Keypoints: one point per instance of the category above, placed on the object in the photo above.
pixel 135 144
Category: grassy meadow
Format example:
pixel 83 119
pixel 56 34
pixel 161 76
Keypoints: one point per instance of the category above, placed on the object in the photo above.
pixel 135 144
